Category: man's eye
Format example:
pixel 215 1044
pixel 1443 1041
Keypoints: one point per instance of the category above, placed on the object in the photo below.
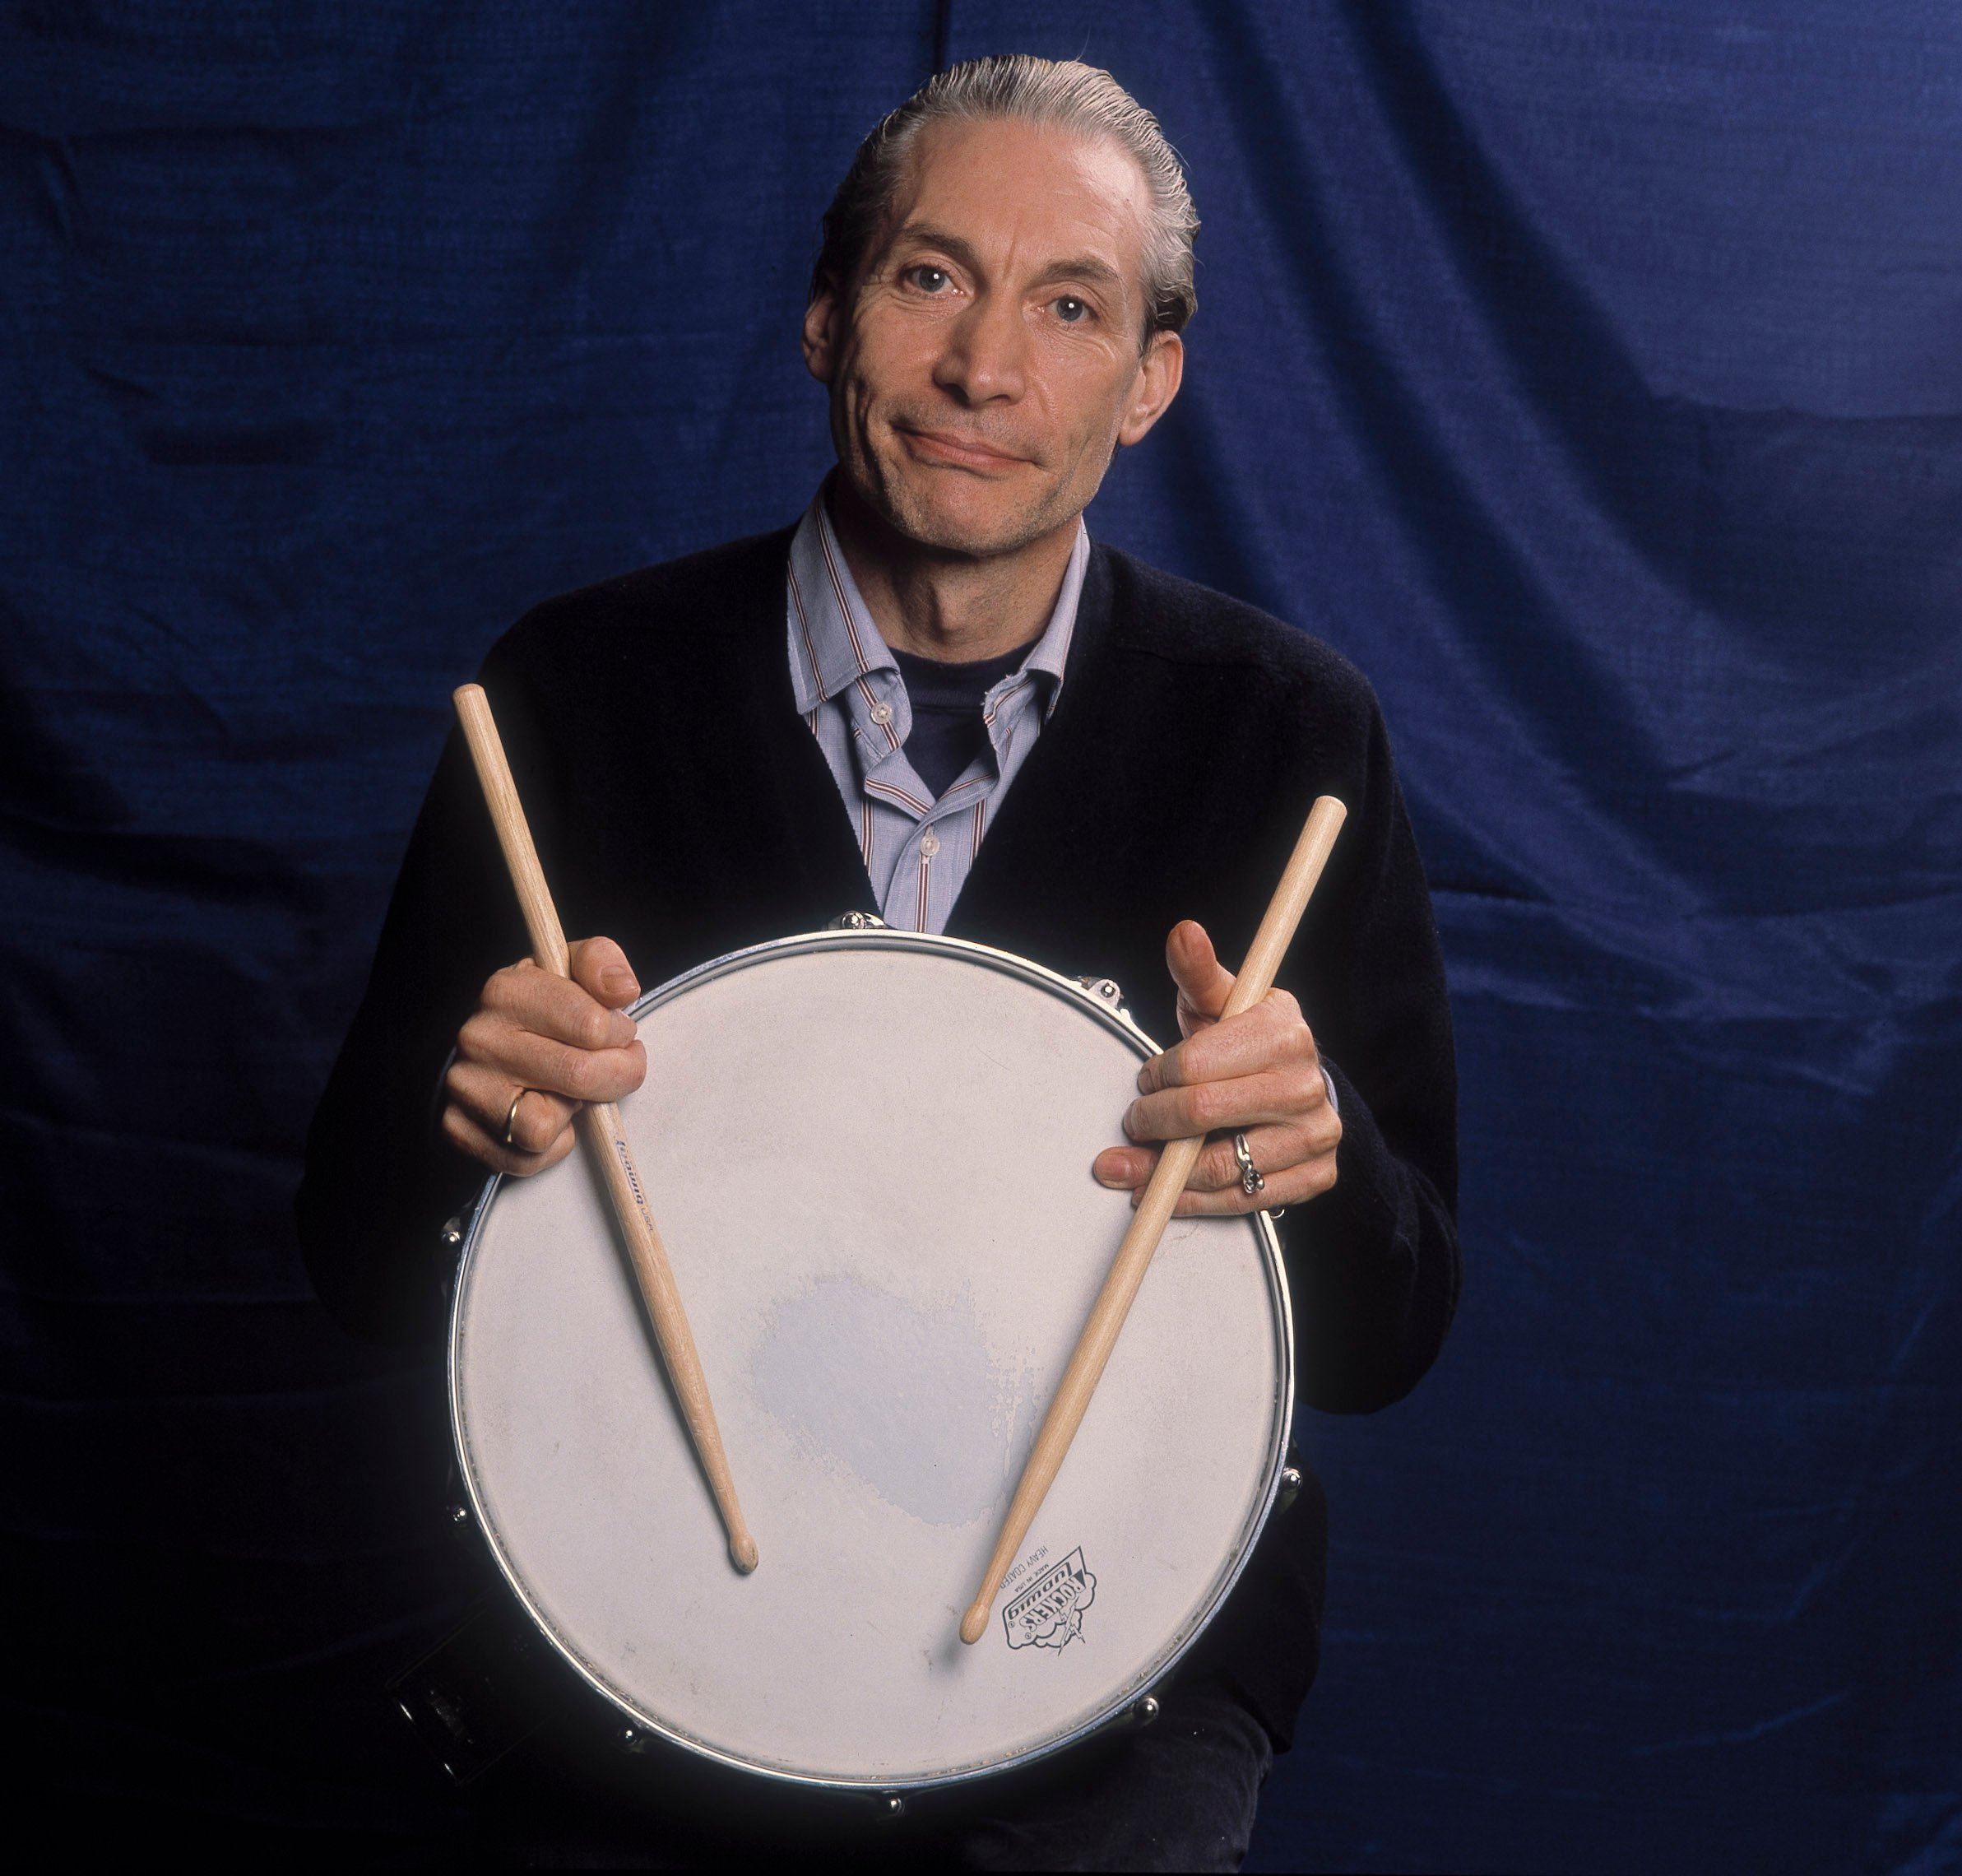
pixel 1071 310
pixel 931 280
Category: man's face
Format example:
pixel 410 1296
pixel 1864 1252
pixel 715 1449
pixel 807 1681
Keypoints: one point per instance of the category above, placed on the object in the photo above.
pixel 984 365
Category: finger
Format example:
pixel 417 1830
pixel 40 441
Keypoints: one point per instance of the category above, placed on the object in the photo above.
pixel 523 1059
pixel 1274 1151
pixel 555 1006
pixel 1239 1101
pixel 1295 1187
pixel 1124 1168
pixel 600 968
pixel 1203 982
pixel 486 1095
pixel 1270 1036
pixel 462 1130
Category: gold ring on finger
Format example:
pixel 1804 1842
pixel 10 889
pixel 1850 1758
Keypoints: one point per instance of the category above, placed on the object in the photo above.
pixel 511 1115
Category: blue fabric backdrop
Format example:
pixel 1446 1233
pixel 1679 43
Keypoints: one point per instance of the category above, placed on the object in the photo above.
pixel 1590 373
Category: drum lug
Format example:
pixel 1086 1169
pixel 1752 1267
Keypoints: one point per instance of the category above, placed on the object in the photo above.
pixel 1140 1713
pixel 889 1805
pixel 631 1739
pixel 857 922
pixel 1290 1488
pixel 1108 992
pixel 483 1691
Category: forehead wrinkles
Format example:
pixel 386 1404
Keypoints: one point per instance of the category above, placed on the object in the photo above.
pixel 1088 189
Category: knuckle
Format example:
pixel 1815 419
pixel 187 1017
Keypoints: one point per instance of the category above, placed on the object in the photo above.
pixel 580 1075
pixel 1193 1060
pixel 504 988
pixel 537 1125
pixel 1209 1104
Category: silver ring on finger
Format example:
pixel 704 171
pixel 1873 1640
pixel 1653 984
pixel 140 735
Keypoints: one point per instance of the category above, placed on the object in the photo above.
pixel 511 1116
pixel 1250 1182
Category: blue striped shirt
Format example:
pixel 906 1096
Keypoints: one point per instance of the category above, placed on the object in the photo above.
pixel 917 851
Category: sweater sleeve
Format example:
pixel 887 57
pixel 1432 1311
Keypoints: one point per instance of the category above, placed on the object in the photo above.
pixel 1374 1262
pixel 380 1181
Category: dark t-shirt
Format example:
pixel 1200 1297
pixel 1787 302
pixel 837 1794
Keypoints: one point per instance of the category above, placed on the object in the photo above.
pixel 948 732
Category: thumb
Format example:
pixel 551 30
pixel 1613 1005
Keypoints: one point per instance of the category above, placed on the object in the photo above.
pixel 1203 982
pixel 600 968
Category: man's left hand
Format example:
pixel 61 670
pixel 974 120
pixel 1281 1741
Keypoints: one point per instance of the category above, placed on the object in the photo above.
pixel 1258 1074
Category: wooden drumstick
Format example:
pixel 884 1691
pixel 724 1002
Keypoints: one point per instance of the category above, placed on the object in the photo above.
pixel 599 1123
pixel 1154 1211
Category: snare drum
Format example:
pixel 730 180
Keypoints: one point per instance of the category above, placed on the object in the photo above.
pixel 869 1154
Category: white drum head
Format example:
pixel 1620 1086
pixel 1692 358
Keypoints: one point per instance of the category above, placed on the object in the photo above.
pixel 869 1156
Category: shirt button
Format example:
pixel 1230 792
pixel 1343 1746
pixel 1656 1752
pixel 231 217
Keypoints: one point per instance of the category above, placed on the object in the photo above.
pixel 930 844
pixel 882 713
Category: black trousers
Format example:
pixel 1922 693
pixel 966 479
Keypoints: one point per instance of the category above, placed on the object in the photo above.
pixel 1179 1794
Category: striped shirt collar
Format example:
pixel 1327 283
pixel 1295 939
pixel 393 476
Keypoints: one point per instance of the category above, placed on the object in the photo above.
pixel 836 647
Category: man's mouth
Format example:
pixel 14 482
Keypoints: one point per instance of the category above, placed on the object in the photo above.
pixel 962 452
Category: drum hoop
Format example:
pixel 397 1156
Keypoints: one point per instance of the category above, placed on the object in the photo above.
pixel 1120 1023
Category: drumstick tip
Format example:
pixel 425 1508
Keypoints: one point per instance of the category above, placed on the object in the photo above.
pixel 742 1552
pixel 974 1624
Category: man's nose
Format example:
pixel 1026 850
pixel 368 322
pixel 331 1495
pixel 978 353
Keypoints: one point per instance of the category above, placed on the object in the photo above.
pixel 985 357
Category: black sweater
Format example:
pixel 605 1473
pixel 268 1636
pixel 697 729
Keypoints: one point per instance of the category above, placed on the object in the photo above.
pixel 681 806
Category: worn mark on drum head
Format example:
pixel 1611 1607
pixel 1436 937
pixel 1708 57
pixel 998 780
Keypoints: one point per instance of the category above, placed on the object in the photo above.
pixel 1049 1613
pixel 910 1398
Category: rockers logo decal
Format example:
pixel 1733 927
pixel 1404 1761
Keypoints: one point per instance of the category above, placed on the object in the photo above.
pixel 1050 1612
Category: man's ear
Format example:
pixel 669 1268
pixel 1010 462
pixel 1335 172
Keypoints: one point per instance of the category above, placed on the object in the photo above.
pixel 1160 373
pixel 821 332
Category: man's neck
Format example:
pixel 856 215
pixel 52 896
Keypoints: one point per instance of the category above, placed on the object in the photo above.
pixel 957 608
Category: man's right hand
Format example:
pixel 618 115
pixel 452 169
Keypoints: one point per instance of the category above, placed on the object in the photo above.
pixel 563 1041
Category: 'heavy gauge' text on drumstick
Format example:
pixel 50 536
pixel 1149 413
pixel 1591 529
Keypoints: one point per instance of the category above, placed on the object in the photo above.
pixel 605 1138
pixel 1148 1225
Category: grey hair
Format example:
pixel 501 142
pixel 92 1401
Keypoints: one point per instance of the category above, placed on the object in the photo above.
pixel 1044 91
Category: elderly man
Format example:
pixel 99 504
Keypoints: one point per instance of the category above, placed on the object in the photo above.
pixel 935 698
